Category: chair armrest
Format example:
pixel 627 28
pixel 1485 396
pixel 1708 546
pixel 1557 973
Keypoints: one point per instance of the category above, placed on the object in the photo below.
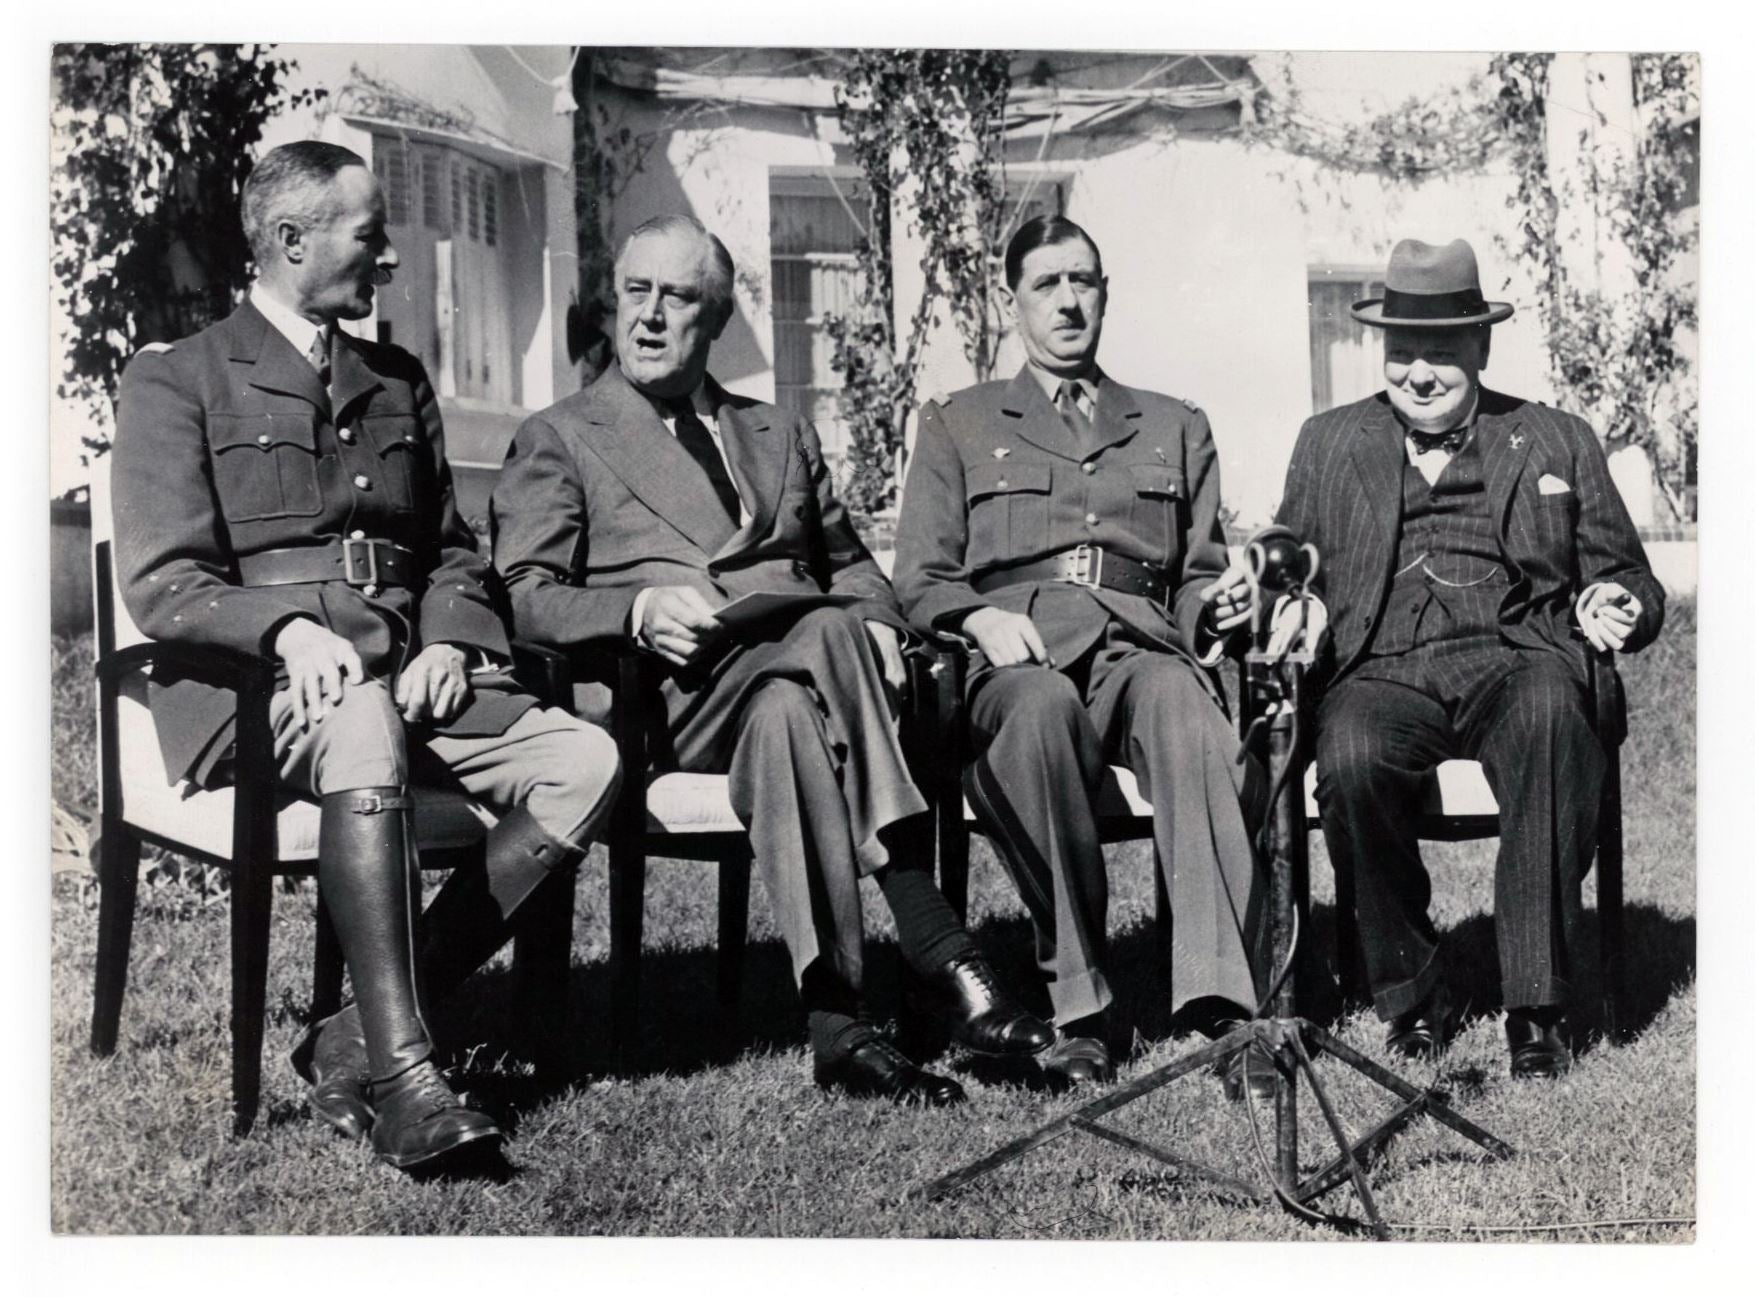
pixel 1608 698
pixel 544 672
pixel 226 668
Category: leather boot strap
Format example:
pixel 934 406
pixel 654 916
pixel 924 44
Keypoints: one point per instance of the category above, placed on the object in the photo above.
pixel 370 881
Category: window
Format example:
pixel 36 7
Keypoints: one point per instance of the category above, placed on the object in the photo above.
pixel 390 164
pixel 490 207
pixel 432 189
pixel 1346 357
pixel 815 232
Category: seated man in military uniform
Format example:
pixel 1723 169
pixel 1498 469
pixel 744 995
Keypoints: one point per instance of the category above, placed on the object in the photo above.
pixel 1069 526
pixel 281 488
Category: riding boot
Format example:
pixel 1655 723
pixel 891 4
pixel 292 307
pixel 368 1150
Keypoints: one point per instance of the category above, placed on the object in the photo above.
pixel 371 880
pixel 474 913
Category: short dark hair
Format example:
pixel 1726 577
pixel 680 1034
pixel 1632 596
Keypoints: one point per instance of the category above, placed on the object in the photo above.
pixel 724 269
pixel 1040 232
pixel 290 183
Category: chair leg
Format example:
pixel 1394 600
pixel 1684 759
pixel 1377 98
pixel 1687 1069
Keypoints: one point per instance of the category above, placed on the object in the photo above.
pixel 734 925
pixel 542 955
pixel 327 965
pixel 119 878
pixel 252 906
pixel 1611 918
pixel 627 915
pixel 953 855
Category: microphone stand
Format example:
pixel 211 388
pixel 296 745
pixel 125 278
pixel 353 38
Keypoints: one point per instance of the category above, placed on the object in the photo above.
pixel 1273 682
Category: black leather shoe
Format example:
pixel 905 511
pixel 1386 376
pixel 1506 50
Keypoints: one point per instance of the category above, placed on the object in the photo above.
pixel 1424 1030
pixel 332 1058
pixel 419 1120
pixel 874 1068
pixel 982 1018
pixel 1537 1049
pixel 1253 1068
pixel 1077 1060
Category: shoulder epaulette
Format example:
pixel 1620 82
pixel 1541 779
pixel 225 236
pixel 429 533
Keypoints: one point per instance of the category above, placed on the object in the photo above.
pixel 1190 404
pixel 940 399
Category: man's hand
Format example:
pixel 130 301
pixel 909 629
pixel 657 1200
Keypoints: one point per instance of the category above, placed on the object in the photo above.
pixel 1289 619
pixel 677 623
pixel 1227 600
pixel 1607 614
pixel 319 665
pixel 434 686
pixel 888 643
pixel 1005 638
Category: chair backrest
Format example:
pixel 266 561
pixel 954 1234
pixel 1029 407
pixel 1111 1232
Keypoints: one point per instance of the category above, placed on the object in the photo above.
pixel 115 628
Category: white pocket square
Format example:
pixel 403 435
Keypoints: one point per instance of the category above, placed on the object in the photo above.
pixel 1551 485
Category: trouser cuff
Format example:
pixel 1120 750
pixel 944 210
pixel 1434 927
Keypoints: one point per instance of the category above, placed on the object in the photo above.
pixel 1404 997
pixel 1078 997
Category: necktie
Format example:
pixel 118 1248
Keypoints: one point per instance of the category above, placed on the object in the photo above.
pixel 693 436
pixel 318 355
pixel 1066 400
pixel 1449 442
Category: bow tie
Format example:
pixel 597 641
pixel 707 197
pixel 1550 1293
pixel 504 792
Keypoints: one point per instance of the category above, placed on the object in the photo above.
pixel 1449 442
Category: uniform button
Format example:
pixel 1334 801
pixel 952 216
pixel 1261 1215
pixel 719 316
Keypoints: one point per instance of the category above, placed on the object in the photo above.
pixel 1003 484
pixel 357 535
pixel 262 439
pixel 346 435
pixel 798 511
pixel 370 592
pixel 1088 467
pixel 408 436
pixel 213 603
pixel 362 481
pixel 177 617
pixel 1090 520
pixel 800 567
pixel 175 587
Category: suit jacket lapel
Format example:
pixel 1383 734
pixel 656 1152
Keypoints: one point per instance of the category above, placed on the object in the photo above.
pixel 350 377
pixel 637 447
pixel 1038 422
pixel 1117 417
pixel 1379 456
pixel 758 463
pixel 1503 451
pixel 275 364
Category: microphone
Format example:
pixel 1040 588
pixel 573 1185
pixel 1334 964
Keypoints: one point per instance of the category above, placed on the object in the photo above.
pixel 1279 565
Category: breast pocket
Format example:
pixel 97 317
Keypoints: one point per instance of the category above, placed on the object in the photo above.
pixel 265 465
pixel 1160 509
pixel 396 439
pixel 1008 510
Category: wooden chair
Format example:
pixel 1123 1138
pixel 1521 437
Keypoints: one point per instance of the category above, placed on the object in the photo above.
pixel 1456 805
pixel 254 828
pixel 658 812
pixel 672 814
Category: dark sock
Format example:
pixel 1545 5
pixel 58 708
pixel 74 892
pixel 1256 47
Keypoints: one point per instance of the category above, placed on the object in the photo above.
pixel 1210 1015
pixel 834 1016
pixel 926 926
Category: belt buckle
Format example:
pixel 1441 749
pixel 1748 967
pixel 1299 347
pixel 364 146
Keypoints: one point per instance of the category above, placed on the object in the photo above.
pixel 1087 566
pixel 349 563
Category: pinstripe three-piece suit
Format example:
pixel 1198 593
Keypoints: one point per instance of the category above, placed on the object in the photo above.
pixel 1452 634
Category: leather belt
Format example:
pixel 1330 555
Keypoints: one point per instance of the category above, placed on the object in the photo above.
pixel 1090 566
pixel 357 561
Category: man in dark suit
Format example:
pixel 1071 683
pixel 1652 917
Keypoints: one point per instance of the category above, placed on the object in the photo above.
pixel 636 509
pixel 1467 537
pixel 281 488
pixel 1069 527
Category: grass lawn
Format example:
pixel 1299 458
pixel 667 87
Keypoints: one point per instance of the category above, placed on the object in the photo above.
pixel 698 1143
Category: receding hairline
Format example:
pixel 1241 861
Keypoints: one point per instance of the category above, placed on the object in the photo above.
pixel 719 271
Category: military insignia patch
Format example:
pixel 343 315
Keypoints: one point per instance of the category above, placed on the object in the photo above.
pixel 1516 440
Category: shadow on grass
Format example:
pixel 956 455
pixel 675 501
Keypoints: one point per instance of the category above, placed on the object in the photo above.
pixel 682 1033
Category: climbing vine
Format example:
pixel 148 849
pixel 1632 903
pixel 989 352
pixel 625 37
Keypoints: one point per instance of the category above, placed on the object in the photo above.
pixel 924 128
pixel 1619 359
pixel 151 144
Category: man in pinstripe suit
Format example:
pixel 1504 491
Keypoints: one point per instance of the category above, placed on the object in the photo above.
pixel 1472 544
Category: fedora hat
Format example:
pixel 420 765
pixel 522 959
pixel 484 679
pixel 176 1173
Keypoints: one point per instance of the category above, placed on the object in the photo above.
pixel 1427 287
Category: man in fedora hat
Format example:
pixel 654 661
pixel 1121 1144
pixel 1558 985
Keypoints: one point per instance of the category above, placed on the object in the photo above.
pixel 1068 527
pixel 1473 545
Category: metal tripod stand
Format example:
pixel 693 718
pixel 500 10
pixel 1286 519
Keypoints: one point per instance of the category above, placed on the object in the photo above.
pixel 1272 683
